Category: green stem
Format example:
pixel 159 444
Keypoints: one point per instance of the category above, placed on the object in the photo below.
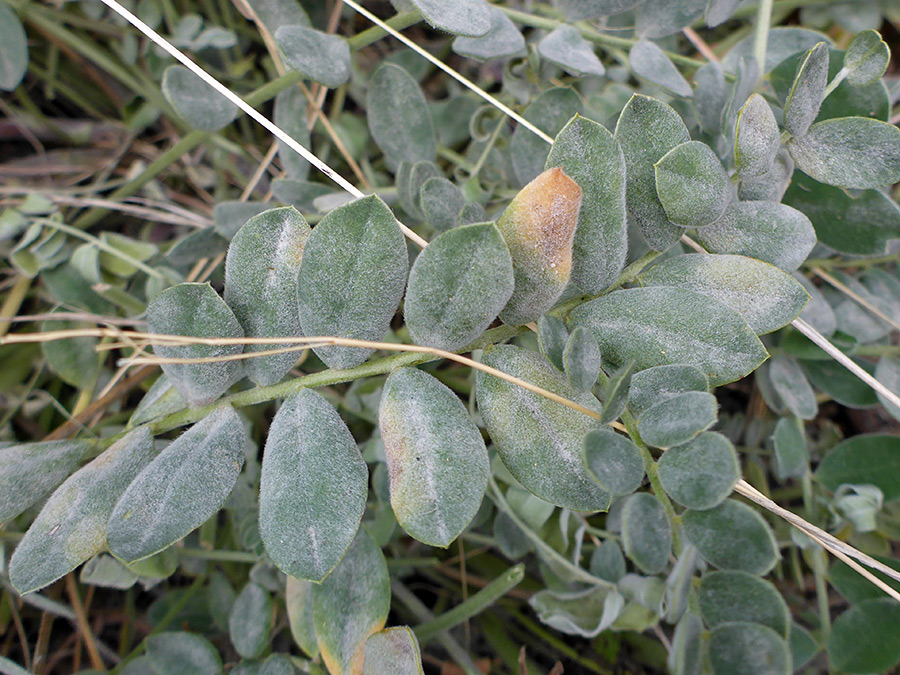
pixel 653 474
pixel 543 548
pixel 835 82
pixel 483 599
pixel 761 35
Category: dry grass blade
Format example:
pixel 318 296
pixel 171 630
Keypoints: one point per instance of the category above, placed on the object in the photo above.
pixel 850 293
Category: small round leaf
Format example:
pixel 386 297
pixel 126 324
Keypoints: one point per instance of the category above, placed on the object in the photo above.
pixel 701 473
pixel 646 532
pixel 692 185
pixel 741 596
pixel 678 419
pixel 613 461
pixel 732 536
pixel 741 648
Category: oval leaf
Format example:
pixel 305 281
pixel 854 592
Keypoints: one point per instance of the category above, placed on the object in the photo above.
pixel 196 310
pixel 850 152
pixel 741 596
pixel 72 525
pixel 182 654
pixel 350 604
pixel 589 155
pixel 732 536
pixel 250 620
pixel 318 56
pixel 701 473
pixel 581 361
pixel 550 112
pixel 866 638
pixel 872 459
pixel 678 419
pixel 565 47
pixel 614 461
pixel 181 489
pixel 651 63
pixel 686 655
pixel 538 227
pixel 463 17
pixel 539 440
pixel 437 461
pixel 692 185
pixel 261 286
pixel 393 650
pixel 502 41
pixel 765 296
pixel 807 92
pixel 660 383
pixel 660 325
pixel 201 106
pixel 398 116
pixel 742 648
pixel 866 59
pixel 313 487
pixel 290 115
pixel 352 277
pixel 646 532
pixel 31 471
pixel 457 286
pixel 756 138
pixel 13 49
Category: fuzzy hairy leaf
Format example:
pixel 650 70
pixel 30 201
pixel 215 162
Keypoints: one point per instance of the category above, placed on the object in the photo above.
pixel 290 115
pixel 298 603
pixel 398 116
pixel 581 360
pixel 351 278
pixel 867 58
pixel 576 10
pixel 74 359
pixel 685 657
pixel 549 112
pixel 647 129
pixel 437 461
pixel 765 296
pixel 756 138
pixel 31 471
pixel 182 654
pixel 196 310
pixel 791 456
pixel 740 596
pixel 161 399
pixel 589 155
pixel 646 532
pixel 351 604
pixel 539 227
pixel 320 57
pixel 585 612
pixel 250 620
pixel 457 286
pixel 539 440
pixel 464 17
pixel 872 459
pixel 658 18
pixel 13 49
pixel 313 487
pixel 201 106
pixel 888 373
pixel 849 152
pixel 657 384
pixel 701 473
pixel 651 63
pixel 660 325
pixel 553 338
pixel 742 648
pixel 393 650
pixel 182 488
pixel 441 201
pixel 792 387
pixel 72 525
pixel 261 286
pixel 678 419
pixel 692 185
pixel 774 233
pixel 615 392
pixel 613 461
pixel 565 47
pixel 732 536
pixel 807 92
pixel 502 41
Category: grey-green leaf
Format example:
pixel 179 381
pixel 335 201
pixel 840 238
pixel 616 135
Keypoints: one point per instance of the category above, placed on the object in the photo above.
pixel 30 471
pixel 774 233
pixel 678 419
pixel 351 604
pixel 701 473
pixel 807 92
pixel 583 612
pixel 686 655
pixel 181 489
pixel 740 596
pixel 888 373
pixel 641 151
pixel 290 115
pixel 313 487
pixel 867 58
pixel 72 525
pixel 615 392
pixel 261 286
pixel 201 106
pixel 298 603
pixel 318 56
pixel 870 458
pixel 646 532
pixel 250 620
pixel 182 654
pixel 590 156
pixel 692 185
pixel 502 41
pixel 463 17
pixel 352 277
pixel 742 648
pixel 581 360
pixel 651 63
pixel 441 201
pixel 850 152
pixel 550 112
pixel 457 286
pixel 653 385
pixel 393 650
pixel 13 49
pixel 437 461
pixel 73 359
pixel 756 138
pixel 791 456
pixel 661 325
pixel 866 638
pixel 793 388
pixel 565 47
pixel 398 116
pixel 539 440
pixel 765 296
pixel 614 461
pixel 553 339
pixel 732 536
pixel 196 310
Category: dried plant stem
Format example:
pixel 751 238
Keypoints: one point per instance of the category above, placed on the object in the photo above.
pixel 850 293
pixel 83 626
